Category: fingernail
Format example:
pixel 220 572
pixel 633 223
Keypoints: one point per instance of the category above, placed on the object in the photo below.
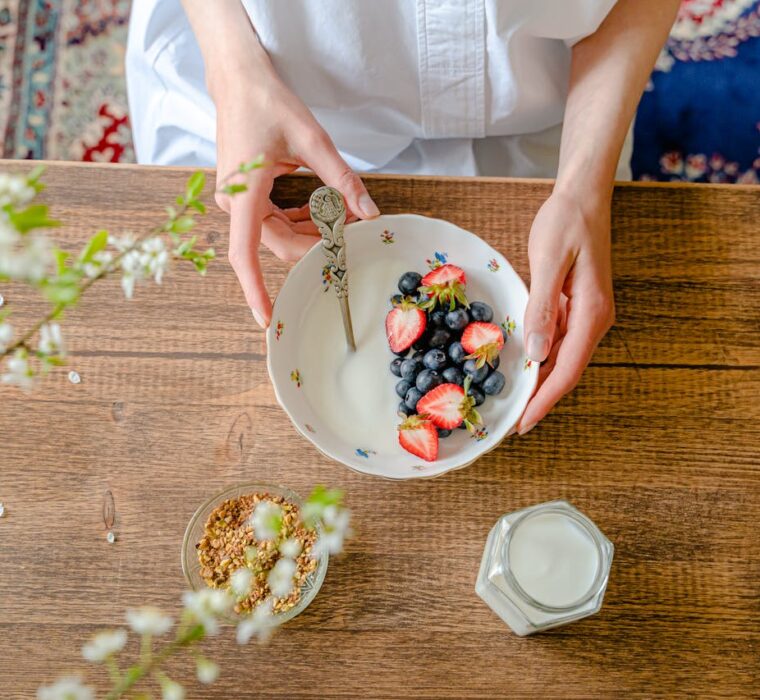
pixel 537 347
pixel 368 207
pixel 258 318
pixel 526 429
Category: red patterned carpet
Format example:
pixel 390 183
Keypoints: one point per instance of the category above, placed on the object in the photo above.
pixel 62 89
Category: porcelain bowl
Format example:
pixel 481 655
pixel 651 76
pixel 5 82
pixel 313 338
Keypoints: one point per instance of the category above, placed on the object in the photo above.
pixel 404 242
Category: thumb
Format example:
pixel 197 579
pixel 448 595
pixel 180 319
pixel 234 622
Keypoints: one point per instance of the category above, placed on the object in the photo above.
pixel 547 277
pixel 324 159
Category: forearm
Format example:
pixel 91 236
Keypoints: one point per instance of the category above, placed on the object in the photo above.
pixel 608 74
pixel 227 41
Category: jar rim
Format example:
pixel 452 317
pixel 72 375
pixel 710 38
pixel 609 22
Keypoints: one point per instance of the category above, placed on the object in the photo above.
pixel 589 527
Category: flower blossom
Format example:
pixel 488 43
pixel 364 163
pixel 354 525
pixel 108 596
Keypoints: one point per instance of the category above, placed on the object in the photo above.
pixel 104 644
pixel 148 620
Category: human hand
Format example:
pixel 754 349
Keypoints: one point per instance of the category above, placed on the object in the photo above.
pixel 571 304
pixel 265 118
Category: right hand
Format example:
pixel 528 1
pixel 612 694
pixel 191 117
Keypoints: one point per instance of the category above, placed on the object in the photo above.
pixel 263 117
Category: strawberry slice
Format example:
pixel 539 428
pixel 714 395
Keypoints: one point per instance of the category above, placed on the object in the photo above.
pixel 444 285
pixel 444 275
pixel 483 342
pixel 404 325
pixel 448 406
pixel 419 437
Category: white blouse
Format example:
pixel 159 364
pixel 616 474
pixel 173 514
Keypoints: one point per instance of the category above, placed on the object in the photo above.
pixel 457 87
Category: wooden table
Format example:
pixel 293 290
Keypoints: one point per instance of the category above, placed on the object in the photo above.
pixel 659 444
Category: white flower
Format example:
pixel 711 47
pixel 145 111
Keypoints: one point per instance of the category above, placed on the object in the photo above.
pixel 171 690
pixel 51 340
pixel 206 670
pixel 154 258
pixel 336 529
pixel 19 372
pixel 281 577
pixel 26 260
pixel 290 547
pixel 266 520
pixel 259 623
pixel 148 620
pixel 6 335
pixel 100 260
pixel 9 236
pixel 104 644
pixel 240 582
pixel 121 243
pixel 131 272
pixel 69 688
pixel 15 190
pixel 206 606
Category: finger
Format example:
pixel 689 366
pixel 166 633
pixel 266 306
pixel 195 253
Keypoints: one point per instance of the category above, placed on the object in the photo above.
pixel 305 227
pixel 298 213
pixel 247 211
pixel 547 276
pixel 285 243
pixel 323 158
pixel 574 353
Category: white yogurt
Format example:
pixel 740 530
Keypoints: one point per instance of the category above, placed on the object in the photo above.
pixel 554 559
pixel 544 566
pixel 353 392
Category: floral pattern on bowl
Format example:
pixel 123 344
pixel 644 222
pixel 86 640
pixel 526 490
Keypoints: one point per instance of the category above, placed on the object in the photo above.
pixel 412 250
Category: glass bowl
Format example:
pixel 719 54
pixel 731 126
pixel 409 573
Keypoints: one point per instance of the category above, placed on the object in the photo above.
pixel 195 528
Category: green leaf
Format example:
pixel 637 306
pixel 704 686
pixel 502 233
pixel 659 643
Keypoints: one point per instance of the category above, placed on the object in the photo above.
pixel 97 243
pixel 172 212
pixel 325 497
pixel 34 174
pixel 194 634
pixel 132 674
pixel 257 162
pixel 34 216
pixel 61 293
pixel 195 185
pixel 235 188
pixel 197 205
pixel 180 200
pixel 60 260
pixel 183 224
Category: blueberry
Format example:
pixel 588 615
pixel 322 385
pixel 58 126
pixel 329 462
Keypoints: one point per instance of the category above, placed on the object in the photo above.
pixel 477 394
pixel 453 375
pixel 403 409
pixel 495 364
pixel 457 320
pixel 438 318
pixel 439 338
pixel 427 380
pixel 443 433
pixel 402 387
pixel 409 282
pixel 410 367
pixel 457 353
pixel 494 383
pixel 480 311
pixel 478 374
pixel 396 299
pixel 411 399
pixel 434 359
pixel 396 366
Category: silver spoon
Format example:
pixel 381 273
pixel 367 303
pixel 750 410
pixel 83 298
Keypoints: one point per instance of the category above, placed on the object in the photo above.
pixel 328 212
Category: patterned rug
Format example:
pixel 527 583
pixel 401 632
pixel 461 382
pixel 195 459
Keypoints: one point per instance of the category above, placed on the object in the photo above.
pixel 63 95
pixel 62 89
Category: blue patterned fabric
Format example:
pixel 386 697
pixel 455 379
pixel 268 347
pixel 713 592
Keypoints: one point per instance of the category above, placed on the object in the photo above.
pixel 699 120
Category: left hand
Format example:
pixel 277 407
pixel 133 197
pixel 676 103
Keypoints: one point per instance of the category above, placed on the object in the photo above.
pixel 571 304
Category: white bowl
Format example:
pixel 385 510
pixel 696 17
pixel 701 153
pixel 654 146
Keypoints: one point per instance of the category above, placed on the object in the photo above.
pixel 399 243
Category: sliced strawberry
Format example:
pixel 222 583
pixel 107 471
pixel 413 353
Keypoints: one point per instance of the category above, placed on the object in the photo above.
pixel 444 286
pixel 404 324
pixel 442 405
pixel 448 406
pixel 419 436
pixel 483 342
pixel 443 275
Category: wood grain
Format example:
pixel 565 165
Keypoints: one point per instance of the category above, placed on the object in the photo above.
pixel 659 444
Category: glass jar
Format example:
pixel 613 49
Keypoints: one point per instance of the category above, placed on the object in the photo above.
pixel 544 566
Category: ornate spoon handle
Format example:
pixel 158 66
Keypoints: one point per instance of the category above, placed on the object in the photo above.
pixel 328 212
